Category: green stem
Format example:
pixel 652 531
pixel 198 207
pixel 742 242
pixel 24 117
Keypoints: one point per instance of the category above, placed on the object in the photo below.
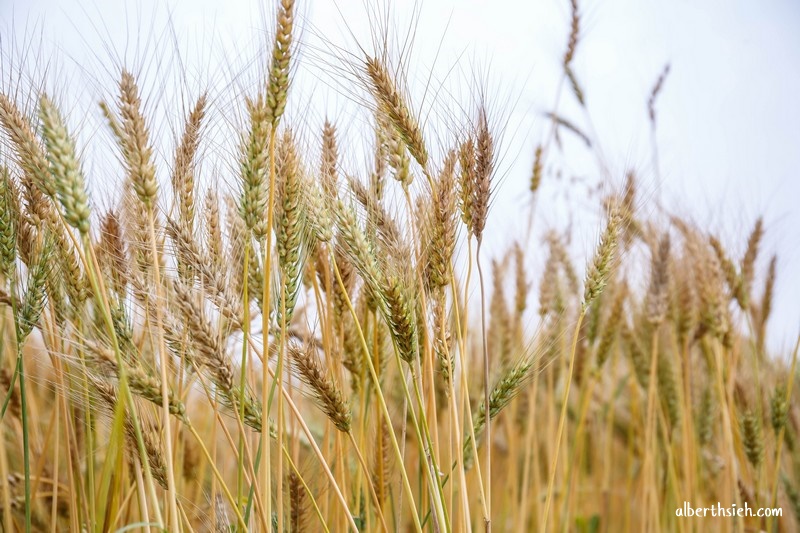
pixel 20 371
pixel 25 442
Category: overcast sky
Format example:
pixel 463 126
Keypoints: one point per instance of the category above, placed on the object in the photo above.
pixel 728 117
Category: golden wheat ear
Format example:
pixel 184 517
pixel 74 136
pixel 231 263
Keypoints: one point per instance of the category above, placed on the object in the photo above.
pixel 392 103
pixel 600 268
pixel 442 227
pixel 184 167
pixel 324 389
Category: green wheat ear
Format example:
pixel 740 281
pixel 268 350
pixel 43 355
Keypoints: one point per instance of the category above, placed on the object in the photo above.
pixel 33 302
pixel 600 268
pixel 70 184
pixel 8 229
pixel 503 392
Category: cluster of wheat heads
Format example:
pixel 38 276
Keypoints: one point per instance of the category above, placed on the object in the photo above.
pixel 136 393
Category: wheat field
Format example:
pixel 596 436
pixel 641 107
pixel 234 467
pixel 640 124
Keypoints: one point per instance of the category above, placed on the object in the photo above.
pixel 300 345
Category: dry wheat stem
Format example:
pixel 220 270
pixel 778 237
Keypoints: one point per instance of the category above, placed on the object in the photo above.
pixel 382 402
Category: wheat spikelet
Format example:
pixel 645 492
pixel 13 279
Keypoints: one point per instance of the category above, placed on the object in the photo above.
pixel 324 390
pixel 211 357
pixel 639 359
pixel 183 173
pixel 395 107
pixel 728 269
pixel 278 85
pixel 657 88
pixel 575 26
pixel 550 296
pixel 58 302
pixel 39 209
pixel 213 281
pixel 27 239
pixel 254 167
pixel 399 314
pixel 395 152
pixel 521 281
pixel 593 319
pixel 668 388
pixel 352 355
pixel 330 160
pixel 442 227
pixel 388 231
pixel 112 252
pixel 747 268
pixel 628 208
pixel 600 268
pixel 69 181
pixel 113 123
pixel 135 223
pixel 74 279
pixel 27 149
pixel 752 437
pixel 142 383
pixel 713 309
pixel 577 90
pixel 765 307
pixel 123 330
pixel 134 139
pixel 33 303
pixel 505 390
pixel 779 409
pixel 318 218
pixel 290 219
pixel 657 296
pixel 561 260
pixel 348 276
pixel 538 169
pixel 213 232
pixel 705 417
pixel 298 517
pixel 382 463
pixel 357 247
pixel 484 169
pixel 466 181
pixel 8 225
pixel 379 157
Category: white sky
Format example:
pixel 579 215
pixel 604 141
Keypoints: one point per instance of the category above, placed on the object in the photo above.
pixel 729 114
